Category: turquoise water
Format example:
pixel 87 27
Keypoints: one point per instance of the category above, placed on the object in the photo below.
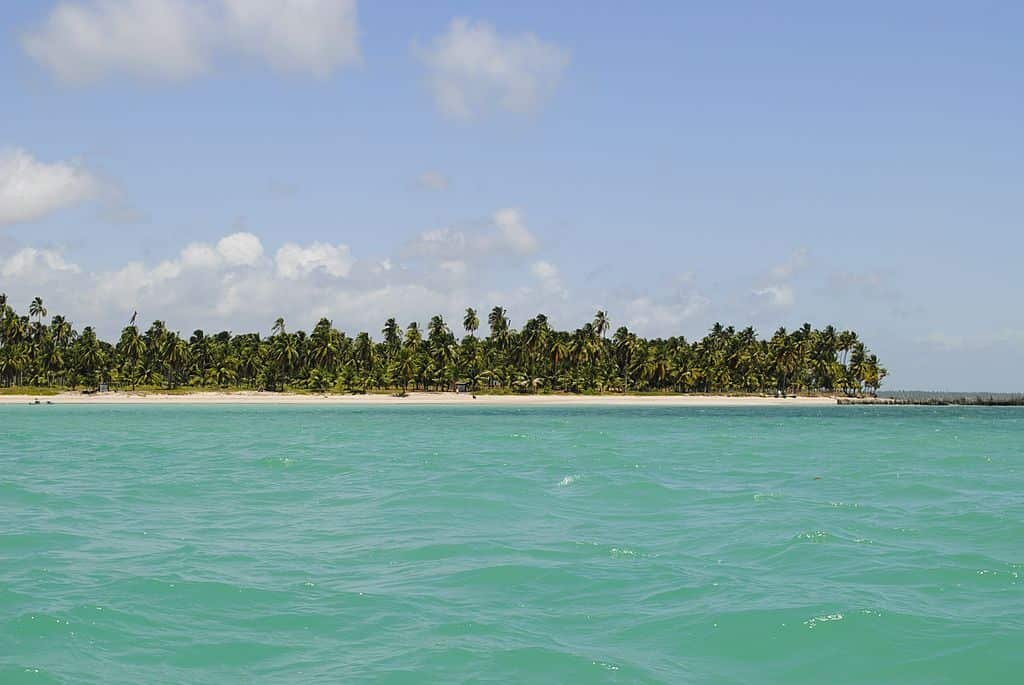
pixel 403 544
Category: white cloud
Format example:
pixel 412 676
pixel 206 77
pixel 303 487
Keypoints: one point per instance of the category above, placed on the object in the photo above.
pixel 232 284
pixel 240 249
pixel 237 249
pixel 505 236
pixel 30 189
pixel 777 295
pixel 513 232
pixel 776 291
pixel 295 261
pixel 473 69
pixel 191 273
pixel 30 261
pixel 83 41
pixel 433 180
pixel 317 36
pixel 200 256
pixel 549 277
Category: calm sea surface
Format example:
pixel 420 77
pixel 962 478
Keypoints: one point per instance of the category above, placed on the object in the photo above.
pixel 464 544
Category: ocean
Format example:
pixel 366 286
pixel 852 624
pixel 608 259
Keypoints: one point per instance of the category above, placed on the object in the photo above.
pixel 305 544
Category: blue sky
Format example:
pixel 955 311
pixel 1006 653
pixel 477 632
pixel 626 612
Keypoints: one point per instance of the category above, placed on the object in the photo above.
pixel 675 164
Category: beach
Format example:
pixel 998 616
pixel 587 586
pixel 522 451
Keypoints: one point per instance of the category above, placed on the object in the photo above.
pixel 419 398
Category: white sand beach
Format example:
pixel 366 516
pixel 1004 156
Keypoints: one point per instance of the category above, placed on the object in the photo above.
pixel 419 398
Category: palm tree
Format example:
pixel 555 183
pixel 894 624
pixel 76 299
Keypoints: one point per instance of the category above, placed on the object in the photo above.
pixel 392 335
pixel 470 322
pixel 601 323
pixel 37 309
pixel 133 348
pixel 413 337
pixel 498 321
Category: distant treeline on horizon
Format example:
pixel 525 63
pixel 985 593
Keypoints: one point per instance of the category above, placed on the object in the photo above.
pixel 535 358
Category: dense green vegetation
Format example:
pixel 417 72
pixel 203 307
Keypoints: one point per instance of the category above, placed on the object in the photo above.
pixel 40 353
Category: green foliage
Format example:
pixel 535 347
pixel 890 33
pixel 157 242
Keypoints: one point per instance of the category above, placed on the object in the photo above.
pixel 534 359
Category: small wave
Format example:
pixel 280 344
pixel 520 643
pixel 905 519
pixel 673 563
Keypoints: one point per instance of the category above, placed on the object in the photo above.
pixel 277 462
pixel 568 480
pixel 826 618
pixel 814 536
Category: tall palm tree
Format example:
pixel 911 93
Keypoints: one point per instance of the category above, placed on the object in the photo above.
pixel 498 321
pixel 392 335
pixel 601 323
pixel 470 322
pixel 37 309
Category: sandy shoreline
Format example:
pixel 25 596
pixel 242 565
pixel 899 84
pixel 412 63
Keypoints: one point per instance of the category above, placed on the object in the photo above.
pixel 419 398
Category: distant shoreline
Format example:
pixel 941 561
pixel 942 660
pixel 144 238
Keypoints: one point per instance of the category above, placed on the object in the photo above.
pixel 419 399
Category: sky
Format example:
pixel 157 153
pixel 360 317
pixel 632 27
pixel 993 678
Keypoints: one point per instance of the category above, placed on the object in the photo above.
pixel 219 163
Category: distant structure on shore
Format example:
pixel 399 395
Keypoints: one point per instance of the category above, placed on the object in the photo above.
pixel 938 398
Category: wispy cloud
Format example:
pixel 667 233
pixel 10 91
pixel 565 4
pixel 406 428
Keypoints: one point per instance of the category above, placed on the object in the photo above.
pixel 433 180
pixel 472 69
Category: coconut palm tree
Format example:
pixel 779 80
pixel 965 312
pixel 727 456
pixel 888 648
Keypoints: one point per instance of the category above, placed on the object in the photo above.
pixel 37 309
pixel 470 322
pixel 601 323
pixel 392 335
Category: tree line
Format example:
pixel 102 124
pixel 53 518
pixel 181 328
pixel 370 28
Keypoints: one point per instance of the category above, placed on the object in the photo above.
pixel 534 358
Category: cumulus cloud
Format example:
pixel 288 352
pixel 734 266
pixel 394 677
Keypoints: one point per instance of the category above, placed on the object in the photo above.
pixel 191 272
pixel 433 180
pixel 83 41
pixel 237 283
pixel 240 249
pixel 472 69
pixel 295 261
pixel 29 261
pixel 30 189
pixel 506 236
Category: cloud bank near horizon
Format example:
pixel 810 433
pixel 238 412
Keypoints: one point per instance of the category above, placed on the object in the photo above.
pixel 238 283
